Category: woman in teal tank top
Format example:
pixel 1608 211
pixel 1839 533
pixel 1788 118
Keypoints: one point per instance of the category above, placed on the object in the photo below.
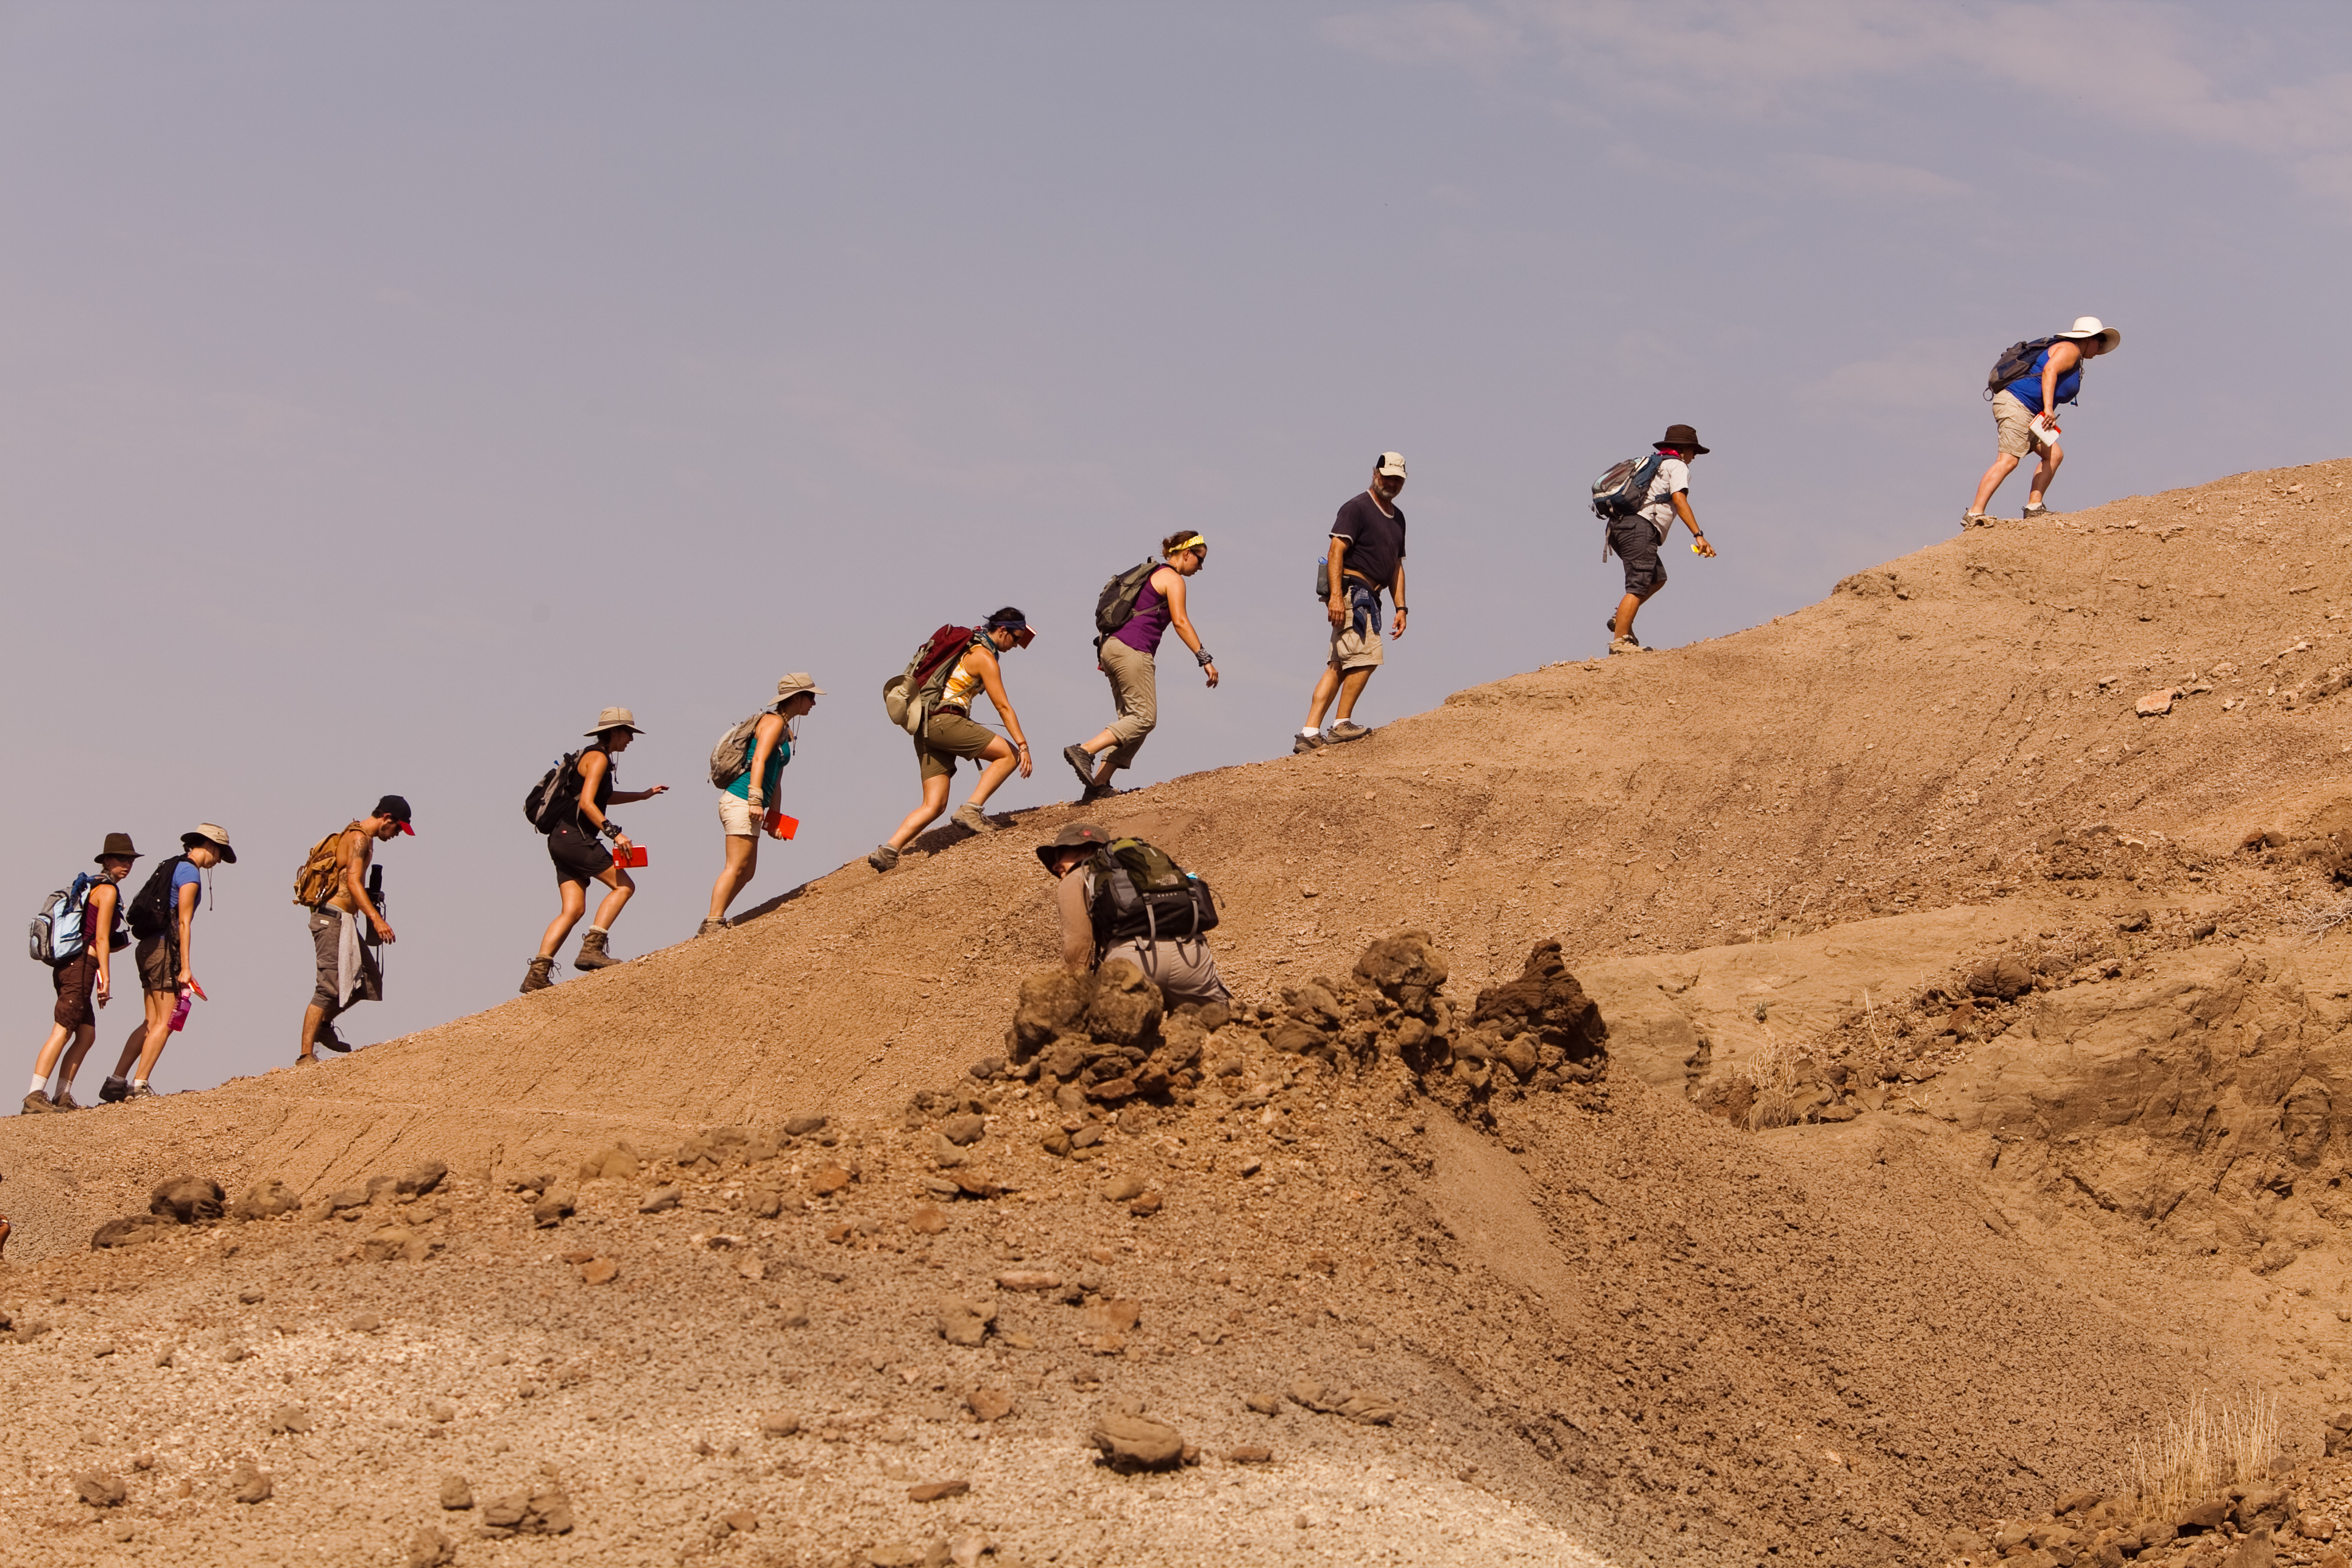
pixel 745 798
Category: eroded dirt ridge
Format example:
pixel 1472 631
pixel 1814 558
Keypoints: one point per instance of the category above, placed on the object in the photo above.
pixel 1933 1093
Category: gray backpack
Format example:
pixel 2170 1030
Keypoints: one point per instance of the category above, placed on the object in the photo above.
pixel 732 756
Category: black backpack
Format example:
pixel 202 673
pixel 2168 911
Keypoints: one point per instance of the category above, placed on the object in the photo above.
pixel 150 913
pixel 557 788
pixel 1115 607
pixel 1142 894
pixel 2014 362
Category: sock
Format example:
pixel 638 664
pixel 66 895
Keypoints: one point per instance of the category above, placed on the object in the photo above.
pixel 1309 730
pixel 40 1085
pixel 138 1083
pixel 598 930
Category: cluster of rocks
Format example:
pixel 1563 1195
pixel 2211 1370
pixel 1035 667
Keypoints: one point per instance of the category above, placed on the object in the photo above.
pixel 193 1201
pixel 2255 1525
pixel 1106 1039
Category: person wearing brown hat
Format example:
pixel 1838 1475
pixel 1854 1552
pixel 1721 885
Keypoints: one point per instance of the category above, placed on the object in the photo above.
pixel 1079 858
pixel 580 859
pixel 1637 536
pixel 81 975
pixel 766 746
pixel 345 921
pixel 162 915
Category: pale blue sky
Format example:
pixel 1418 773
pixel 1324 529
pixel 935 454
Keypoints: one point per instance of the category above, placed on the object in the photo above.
pixel 385 389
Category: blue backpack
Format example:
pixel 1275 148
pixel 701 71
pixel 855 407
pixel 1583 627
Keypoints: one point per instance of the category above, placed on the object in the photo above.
pixel 56 933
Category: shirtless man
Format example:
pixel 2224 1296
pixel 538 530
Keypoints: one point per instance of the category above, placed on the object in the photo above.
pixel 338 916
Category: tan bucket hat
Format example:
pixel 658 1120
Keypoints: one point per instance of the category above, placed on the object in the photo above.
pixel 795 683
pixel 614 719
pixel 211 833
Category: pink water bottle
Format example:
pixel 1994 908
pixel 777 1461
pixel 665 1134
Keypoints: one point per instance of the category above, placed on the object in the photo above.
pixel 180 1013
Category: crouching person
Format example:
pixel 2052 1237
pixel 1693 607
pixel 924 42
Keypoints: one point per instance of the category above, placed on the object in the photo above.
pixel 1122 899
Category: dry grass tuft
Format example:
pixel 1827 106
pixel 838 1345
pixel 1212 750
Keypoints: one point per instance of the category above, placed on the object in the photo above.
pixel 2209 1445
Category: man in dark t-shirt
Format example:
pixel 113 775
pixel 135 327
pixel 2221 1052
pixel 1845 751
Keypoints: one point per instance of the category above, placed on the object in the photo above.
pixel 1367 557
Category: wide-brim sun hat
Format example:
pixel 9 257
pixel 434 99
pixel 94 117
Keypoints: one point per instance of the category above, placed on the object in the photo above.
pixel 117 847
pixel 795 683
pixel 1077 835
pixel 1680 435
pixel 614 719
pixel 2091 327
pixel 211 833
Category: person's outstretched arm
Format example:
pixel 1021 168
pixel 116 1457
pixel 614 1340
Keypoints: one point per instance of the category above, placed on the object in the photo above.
pixel 1683 510
pixel 1183 623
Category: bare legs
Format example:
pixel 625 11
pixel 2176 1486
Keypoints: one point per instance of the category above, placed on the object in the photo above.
pixel 60 1040
pixel 1001 761
pixel 742 863
pixel 1347 686
pixel 146 1045
pixel 1627 608
pixel 2004 465
pixel 575 904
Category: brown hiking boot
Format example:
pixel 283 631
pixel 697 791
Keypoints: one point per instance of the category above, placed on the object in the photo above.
pixel 64 1101
pixel 35 1103
pixel 711 924
pixel 537 978
pixel 592 953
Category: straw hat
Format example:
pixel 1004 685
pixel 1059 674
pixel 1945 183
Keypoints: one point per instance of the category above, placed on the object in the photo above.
pixel 614 719
pixel 2091 327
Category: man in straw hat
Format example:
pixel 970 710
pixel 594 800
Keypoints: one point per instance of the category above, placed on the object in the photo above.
pixel 79 972
pixel 578 820
pixel 1639 535
pixel 2029 383
pixel 765 743
pixel 345 921
pixel 161 916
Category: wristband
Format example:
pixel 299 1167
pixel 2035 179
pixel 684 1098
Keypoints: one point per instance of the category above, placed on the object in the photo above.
pixel 1205 658
pixel 611 829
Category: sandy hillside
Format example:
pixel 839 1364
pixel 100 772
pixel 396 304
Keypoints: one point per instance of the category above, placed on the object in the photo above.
pixel 1972 1096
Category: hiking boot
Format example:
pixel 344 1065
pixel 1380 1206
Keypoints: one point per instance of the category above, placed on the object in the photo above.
pixel 1347 729
pixel 1304 743
pixel 883 859
pixel 141 1091
pixel 35 1103
pixel 1611 627
pixel 536 978
pixel 710 924
pixel 969 815
pixel 64 1101
pixel 1094 793
pixel 1624 644
pixel 113 1089
pixel 330 1041
pixel 1975 520
pixel 1081 765
pixel 591 953
pixel 2035 513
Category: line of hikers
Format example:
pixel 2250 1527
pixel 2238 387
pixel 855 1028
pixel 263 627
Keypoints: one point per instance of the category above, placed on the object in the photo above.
pixel 1639 501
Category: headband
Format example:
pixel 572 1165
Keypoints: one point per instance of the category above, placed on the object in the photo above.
pixel 1189 543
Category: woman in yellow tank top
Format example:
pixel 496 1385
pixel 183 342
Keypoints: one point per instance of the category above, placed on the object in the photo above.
pixel 951 734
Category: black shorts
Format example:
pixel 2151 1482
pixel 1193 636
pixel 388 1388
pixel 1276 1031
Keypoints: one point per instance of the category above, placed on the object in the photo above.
pixel 1635 540
pixel 579 856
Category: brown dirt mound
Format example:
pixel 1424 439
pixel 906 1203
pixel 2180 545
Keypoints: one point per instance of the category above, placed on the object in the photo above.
pixel 1661 1336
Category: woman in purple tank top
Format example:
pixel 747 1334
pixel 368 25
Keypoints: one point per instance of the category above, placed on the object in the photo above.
pixel 1126 658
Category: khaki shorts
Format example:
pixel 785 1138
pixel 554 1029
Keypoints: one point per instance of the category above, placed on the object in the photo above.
pixel 156 970
pixel 735 815
pixel 2014 423
pixel 1353 649
pixel 947 736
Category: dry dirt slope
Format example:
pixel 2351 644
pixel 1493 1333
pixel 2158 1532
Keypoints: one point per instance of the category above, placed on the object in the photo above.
pixel 1902 750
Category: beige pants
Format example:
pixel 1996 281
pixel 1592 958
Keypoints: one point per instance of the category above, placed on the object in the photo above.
pixel 1134 686
pixel 1184 970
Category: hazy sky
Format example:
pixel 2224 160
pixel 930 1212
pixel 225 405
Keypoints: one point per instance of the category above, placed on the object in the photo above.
pixel 385 389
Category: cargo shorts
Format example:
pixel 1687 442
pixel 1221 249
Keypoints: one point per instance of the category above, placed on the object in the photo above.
pixel 2013 423
pixel 950 734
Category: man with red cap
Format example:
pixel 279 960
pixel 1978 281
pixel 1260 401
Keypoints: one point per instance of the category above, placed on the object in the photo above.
pixel 345 921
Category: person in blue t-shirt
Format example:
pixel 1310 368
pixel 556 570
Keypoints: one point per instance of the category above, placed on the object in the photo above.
pixel 2055 376
pixel 743 801
pixel 167 961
